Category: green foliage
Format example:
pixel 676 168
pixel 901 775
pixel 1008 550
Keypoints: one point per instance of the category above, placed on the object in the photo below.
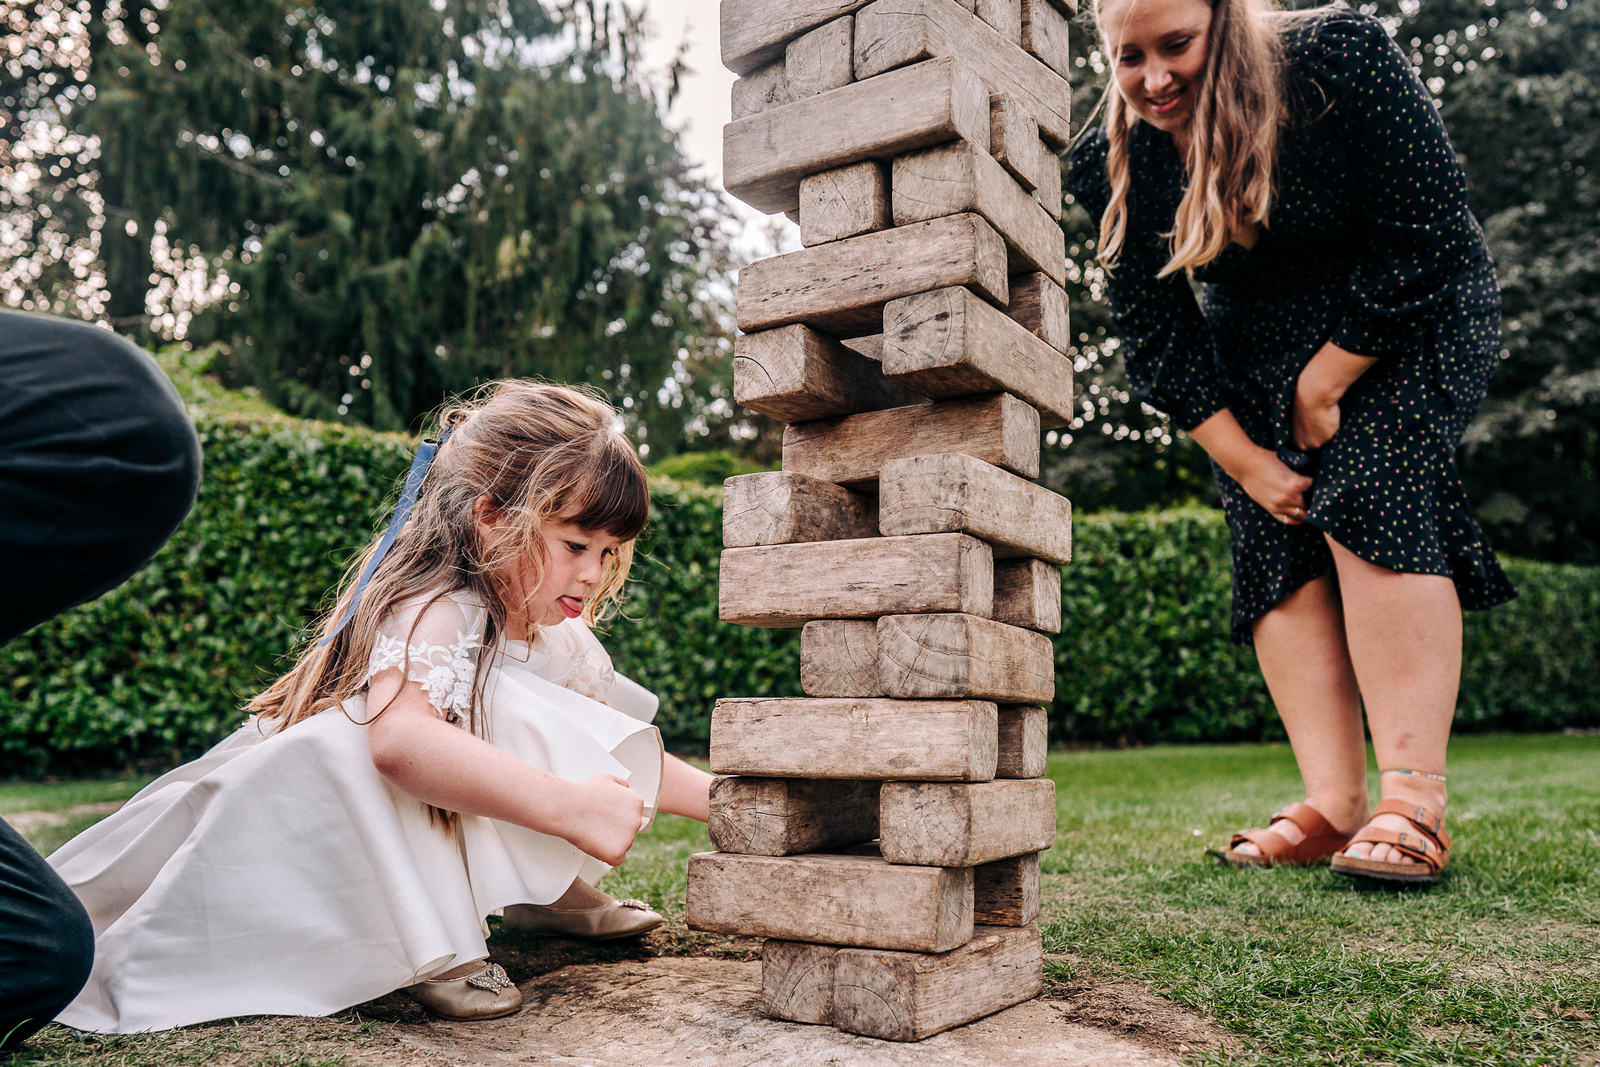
pixel 703 468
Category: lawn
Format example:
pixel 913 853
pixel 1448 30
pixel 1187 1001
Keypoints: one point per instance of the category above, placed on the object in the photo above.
pixel 1499 964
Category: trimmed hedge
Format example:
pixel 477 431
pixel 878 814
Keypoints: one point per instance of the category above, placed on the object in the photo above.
pixel 158 669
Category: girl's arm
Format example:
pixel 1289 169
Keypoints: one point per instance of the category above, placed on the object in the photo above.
pixel 450 768
pixel 1259 471
pixel 1322 384
pixel 685 790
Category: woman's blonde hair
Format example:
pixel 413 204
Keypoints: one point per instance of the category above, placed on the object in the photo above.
pixel 534 453
pixel 1233 137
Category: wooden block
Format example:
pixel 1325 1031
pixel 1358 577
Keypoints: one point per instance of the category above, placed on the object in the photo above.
pixel 797 981
pixel 782 816
pixel 1024 742
pixel 806 737
pixel 1006 892
pixel 835 900
pixel 754 32
pixel 843 202
pixel 1005 16
pixel 791 584
pixel 1014 139
pixel 793 374
pixel 1069 8
pixel 949 342
pixel 1044 34
pixel 1001 430
pixel 904 996
pixel 779 507
pixel 1027 592
pixel 821 59
pixel 1040 305
pixel 963 824
pixel 961 656
pixel 950 491
pixel 765 155
pixel 1049 192
pixel 841 287
pixel 763 88
pixel 955 178
pixel 839 658
pixel 870 345
pixel 892 33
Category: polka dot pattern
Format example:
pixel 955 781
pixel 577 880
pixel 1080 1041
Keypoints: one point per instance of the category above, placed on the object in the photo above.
pixel 1370 245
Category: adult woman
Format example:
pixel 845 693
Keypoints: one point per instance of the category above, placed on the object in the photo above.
pixel 1347 319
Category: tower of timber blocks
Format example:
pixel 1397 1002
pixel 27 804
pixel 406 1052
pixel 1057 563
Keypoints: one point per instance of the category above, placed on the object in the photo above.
pixel 884 831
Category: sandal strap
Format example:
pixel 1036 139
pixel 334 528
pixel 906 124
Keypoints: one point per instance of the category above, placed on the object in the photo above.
pixel 1420 846
pixel 1429 820
pixel 1321 839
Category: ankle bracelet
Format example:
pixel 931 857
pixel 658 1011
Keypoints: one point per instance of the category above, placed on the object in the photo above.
pixel 1415 774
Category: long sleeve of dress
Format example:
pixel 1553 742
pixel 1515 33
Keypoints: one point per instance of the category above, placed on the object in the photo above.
pixel 1410 192
pixel 1167 347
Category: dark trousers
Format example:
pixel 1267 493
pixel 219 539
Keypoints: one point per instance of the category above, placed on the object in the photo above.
pixel 98 465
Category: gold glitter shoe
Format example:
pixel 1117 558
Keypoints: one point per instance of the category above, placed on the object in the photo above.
pixel 484 994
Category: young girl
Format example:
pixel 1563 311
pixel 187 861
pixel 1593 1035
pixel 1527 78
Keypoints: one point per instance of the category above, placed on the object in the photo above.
pixel 1347 320
pixel 456 743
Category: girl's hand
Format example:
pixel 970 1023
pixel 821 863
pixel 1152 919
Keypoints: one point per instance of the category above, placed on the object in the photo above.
pixel 605 818
pixel 1274 486
pixel 1315 418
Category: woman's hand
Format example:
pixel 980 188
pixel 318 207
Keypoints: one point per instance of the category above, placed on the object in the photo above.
pixel 1274 486
pixel 604 817
pixel 1316 416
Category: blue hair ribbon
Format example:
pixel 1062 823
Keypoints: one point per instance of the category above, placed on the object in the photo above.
pixel 402 511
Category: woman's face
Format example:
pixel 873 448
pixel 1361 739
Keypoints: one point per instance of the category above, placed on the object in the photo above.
pixel 1158 52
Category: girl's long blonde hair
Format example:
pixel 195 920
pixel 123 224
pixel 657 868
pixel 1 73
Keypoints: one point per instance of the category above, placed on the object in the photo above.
pixel 536 453
pixel 1233 136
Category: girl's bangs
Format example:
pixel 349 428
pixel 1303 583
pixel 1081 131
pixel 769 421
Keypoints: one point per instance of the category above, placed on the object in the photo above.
pixel 615 497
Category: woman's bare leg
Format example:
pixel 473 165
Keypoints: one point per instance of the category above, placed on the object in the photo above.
pixel 1404 635
pixel 1300 646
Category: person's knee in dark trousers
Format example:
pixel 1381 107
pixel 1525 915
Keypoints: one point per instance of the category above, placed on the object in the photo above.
pixel 98 464
pixel 46 942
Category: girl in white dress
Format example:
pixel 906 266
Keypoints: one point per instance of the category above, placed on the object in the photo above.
pixel 455 743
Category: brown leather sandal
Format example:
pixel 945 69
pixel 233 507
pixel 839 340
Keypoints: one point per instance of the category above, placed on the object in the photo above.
pixel 1321 841
pixel 1429 846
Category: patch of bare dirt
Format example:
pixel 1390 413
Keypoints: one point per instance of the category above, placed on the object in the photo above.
pixel 28 822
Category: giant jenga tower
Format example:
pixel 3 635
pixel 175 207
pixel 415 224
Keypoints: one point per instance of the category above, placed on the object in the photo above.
pixel 914 348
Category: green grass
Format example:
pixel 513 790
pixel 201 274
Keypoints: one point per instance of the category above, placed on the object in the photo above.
pixel 1495 965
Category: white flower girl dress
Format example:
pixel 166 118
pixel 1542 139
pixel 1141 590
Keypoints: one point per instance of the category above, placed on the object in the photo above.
pixel 281 874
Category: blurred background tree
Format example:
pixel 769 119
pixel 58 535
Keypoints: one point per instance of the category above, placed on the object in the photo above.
pixel 372 203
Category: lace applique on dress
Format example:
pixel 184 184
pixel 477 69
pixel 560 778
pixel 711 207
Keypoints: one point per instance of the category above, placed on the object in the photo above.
pixel 572 657
pixel 442 658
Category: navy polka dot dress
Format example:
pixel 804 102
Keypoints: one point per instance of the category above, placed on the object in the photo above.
pixel 1370 245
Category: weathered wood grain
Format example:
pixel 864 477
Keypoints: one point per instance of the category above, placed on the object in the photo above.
pixel 806 737
pixel 797 981
pixel 944 492
pixel 763 88
pixel 839 658
pixel 1006 892
pixel 794 374
pixel 843 202
pixel 1049 192
pixel 783 816
pixel 820 59
pixel 791 584
pixel 962 656
pixel 755 32
pixel 963 824
pixel 842 286
pixel 1027 592
pixel 869 345
pixel 1001 430
pixel 892 33
pixel 948 342
pixel 1014 139
pixel 1040 305
pixel 904 996
pixel 1044 34
pixel 955 178
pixel 780 507
pixel 765 155
pixel 839 900
pixel 1024 742
pixel 1004 16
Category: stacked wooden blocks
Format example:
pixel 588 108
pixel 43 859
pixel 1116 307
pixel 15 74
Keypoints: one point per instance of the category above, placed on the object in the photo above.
pixel 914 348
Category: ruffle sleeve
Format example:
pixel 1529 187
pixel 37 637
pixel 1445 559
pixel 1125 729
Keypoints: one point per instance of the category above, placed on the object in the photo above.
pixel 1167 348
pixel 436 642
pixel 1411 193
